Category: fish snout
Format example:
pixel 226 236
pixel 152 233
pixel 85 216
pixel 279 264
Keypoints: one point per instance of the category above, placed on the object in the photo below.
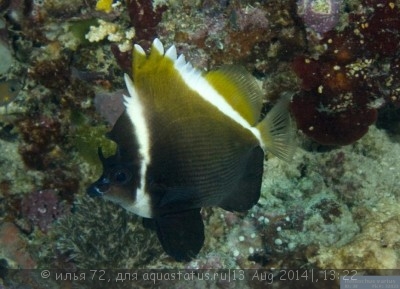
pixel 99 188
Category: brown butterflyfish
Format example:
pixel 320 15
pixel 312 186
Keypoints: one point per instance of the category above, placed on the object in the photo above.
pixel 188 140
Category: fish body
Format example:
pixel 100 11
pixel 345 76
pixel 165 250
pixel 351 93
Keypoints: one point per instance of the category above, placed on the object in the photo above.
pixel 188 140
pixel 9 90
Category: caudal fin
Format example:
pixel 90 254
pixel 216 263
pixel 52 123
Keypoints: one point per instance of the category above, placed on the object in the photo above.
pixel 277 131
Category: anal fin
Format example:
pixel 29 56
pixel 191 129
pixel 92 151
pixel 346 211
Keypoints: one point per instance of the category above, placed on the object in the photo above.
pixel 149 224
pixel 181 234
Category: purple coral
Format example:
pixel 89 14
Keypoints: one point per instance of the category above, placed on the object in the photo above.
pixel 41 208
pixel 319 15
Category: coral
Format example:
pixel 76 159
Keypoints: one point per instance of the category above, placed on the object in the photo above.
pixel 341 90
pixel 145 18
pixel 379 29
pixel 11 247
pixel 52 73
pixel 113 33
pixel 59 9
pixel 42 208
pixel 44 148
pixel 319 15
pixel 13 182
pixel 249 18
pixel 40 133
pixel 104 5
pixel 253 34
pixel 101 235
pixel 326 209
pixel 376 247
pixel 343 193
pixel 124 59
pixel 333 119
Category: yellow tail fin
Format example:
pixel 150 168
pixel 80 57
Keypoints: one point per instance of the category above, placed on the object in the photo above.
pixel 277 131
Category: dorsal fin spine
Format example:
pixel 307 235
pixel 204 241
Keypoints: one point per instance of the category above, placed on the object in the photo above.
pixel 274 133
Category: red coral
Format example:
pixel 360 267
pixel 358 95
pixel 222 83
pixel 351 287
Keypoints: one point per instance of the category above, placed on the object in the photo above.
pixel 381 29
pixel 124 59
pixel 333 108
pixel 145 19
pixel 40 134
pixel 328 125
pixel 342 90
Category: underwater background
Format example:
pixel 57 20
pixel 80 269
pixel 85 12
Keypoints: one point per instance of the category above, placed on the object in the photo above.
pixel 334 206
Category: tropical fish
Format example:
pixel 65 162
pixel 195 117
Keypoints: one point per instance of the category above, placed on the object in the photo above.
pixel 9 90
pixel 188 140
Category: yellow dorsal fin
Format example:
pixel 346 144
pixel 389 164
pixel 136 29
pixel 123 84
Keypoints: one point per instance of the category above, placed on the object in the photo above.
pixel 240 90
pixel 142 63
pixel 139 58
pixel 277 131
pixel 164 77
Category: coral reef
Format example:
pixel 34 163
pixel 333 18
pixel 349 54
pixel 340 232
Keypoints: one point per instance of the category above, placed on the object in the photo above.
pixel 99 235
pixel 42 208
pixel 319 15
pixel 145 18
pixel 314 211
pixel 241 33
pixel 341 90
pixel 12 248
pixel 334 208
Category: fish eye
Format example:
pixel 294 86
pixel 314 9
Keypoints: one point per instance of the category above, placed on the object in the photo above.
pixel 121 176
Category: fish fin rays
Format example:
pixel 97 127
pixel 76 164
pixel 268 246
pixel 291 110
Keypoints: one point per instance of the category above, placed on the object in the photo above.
pixel 139 56
pixel 153 63
pixel 181 234
pixel 277 131
pixel 247 192
pixel 231 89
pixel 240 90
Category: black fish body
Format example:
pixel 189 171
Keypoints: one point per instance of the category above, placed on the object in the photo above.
pixel 188 140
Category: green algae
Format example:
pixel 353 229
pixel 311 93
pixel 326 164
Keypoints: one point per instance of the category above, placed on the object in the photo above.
pixel 88 138
pixel 80 28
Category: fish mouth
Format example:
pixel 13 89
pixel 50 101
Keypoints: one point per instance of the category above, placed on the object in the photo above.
pixel 99 188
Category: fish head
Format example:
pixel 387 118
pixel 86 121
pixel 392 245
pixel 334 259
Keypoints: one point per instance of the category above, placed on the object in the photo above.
pixel 117 182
